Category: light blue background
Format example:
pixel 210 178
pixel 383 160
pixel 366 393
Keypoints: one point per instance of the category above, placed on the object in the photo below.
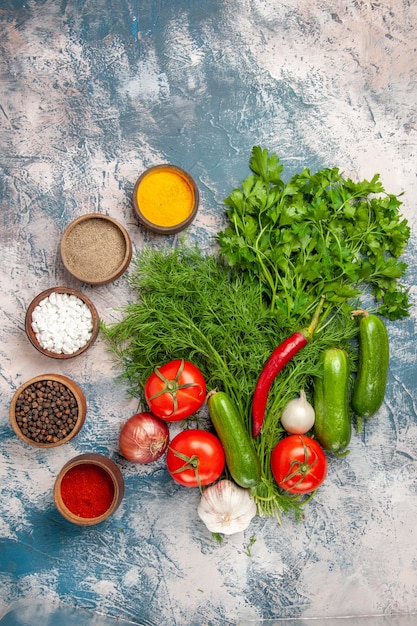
pixel 93 93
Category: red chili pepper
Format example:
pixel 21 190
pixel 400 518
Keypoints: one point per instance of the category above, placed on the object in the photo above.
pixel 275 363
pixel 278 359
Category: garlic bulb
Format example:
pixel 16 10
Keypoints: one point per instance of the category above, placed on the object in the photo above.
pixel 226 508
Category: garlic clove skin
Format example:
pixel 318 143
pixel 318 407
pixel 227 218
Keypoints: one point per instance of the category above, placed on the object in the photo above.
pixel 226 508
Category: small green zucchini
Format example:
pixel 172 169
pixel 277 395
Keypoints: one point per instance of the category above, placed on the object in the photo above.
pixel 371 379
pixel 332 426
pixel 241 458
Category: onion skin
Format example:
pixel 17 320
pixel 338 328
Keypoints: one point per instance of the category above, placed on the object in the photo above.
pixel 143 438
pixel 298 416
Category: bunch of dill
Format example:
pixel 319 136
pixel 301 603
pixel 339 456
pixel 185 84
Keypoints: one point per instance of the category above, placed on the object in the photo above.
pixel 193 306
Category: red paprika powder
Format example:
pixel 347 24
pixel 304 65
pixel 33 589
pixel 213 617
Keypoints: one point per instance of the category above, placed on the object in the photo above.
pixel 87 490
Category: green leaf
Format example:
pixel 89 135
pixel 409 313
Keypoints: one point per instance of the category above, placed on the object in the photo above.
pixel 317 230
pixel 395 304
pixel 235 200
pixel 393 268
pixel 266 166
pixel 349 211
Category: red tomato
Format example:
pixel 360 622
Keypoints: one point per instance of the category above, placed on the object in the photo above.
pixel 195 458
pixel 299 464
pixel 175 390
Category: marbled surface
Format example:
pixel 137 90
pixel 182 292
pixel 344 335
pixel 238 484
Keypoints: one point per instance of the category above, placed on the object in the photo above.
pixel 91 94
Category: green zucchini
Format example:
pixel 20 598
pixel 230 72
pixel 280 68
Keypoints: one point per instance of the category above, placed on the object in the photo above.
pixel 332 426
pixel 241 458
pixel 371 379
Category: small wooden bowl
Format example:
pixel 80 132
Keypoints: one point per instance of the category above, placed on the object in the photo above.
pixel 96 249
pixel 105 470
pixel 32 335
pixel 169 181
pixel 32 417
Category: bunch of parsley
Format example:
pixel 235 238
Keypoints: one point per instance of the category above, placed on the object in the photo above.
pixel 317 234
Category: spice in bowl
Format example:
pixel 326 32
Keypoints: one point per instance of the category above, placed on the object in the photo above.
pixel 96 249
pixel 165 199
pixel 62 323
pixel 48 410
pixel 88 489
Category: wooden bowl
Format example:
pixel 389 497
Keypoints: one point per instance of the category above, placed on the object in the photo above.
pixel 27 419
pixel 153 199
pixel 96 249
pixel 34 337
pixel 102 481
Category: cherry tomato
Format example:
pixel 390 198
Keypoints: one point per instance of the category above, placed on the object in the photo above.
pixel 298 464
pixel 195 458
pixel 175 390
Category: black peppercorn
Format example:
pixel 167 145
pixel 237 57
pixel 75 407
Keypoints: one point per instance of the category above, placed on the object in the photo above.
pixel 40 412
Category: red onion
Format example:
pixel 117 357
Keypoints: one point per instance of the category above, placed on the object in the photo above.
pixel 143 438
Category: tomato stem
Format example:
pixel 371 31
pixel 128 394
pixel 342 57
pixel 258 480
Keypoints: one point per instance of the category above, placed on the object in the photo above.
pixel 190 463
pixel 302 469
pixel 171 386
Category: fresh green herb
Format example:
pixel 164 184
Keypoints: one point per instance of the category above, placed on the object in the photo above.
pixel 248 548
pixel 317 234
pixel 188 304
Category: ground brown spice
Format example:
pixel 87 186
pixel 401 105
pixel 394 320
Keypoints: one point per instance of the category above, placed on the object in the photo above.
pixel 94 249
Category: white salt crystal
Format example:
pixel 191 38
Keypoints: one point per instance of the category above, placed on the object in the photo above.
pixel 62 323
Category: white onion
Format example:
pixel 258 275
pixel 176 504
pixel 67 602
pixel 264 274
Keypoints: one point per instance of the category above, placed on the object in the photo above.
pixel 298 416
pixel 143 438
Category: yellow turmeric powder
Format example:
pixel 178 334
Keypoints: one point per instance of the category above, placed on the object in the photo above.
pixel 165 197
